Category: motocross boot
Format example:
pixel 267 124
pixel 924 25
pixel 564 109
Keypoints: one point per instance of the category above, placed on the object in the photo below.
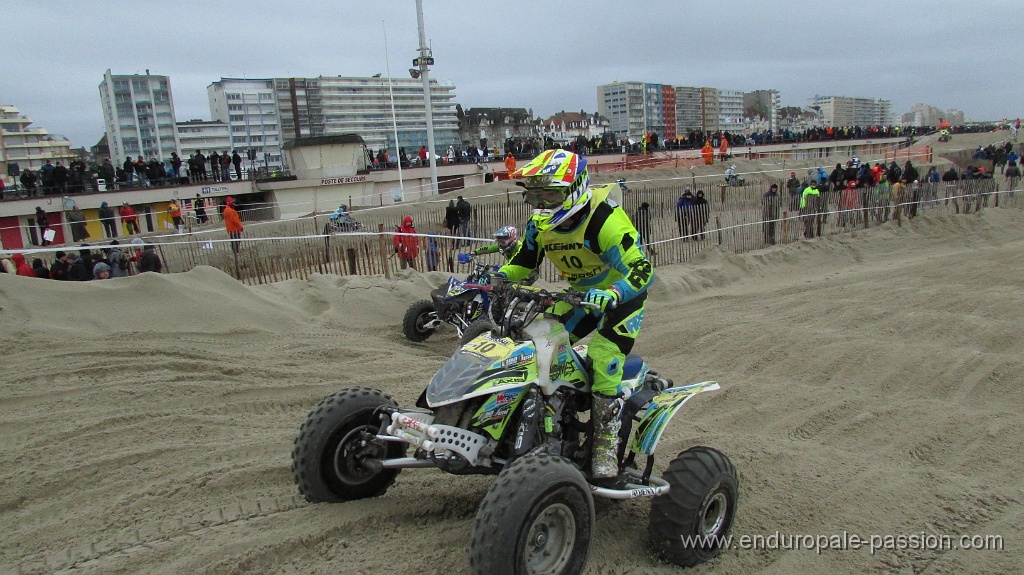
pixel 604 413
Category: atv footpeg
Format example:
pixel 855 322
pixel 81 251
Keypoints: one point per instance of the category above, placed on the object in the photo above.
pixel 623 489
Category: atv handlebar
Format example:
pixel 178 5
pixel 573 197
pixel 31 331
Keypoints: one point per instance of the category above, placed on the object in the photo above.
pixel 542 296
pixel 479 268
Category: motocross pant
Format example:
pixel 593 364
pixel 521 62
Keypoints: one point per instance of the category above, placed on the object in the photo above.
pixel 617 329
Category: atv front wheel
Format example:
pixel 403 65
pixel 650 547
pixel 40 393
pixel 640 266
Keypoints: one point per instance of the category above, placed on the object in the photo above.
pixel 537 517
pixel 333 443
pixel 688 524
pixel 480 326
pixel 416 318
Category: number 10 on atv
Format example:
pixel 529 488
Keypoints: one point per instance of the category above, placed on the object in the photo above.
pixel 513 403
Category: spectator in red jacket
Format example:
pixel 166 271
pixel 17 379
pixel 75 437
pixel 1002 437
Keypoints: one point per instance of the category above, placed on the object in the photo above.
pixel 23 269
pixel 406 244
pixel 130 219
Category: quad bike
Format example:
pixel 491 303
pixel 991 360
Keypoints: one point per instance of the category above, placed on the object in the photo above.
pixel 342 222
pixel 458 303
pixel 509 403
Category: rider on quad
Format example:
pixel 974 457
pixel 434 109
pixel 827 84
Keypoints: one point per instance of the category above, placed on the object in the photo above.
pixel 341 212
pixel 343 220
pixel 593 243
pixel 731 179
pixel 507 244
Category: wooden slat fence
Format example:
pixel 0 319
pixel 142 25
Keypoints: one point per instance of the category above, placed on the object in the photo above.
pixel 279 251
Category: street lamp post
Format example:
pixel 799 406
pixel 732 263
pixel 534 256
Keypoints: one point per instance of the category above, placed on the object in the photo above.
pixel 423 61
pixel 394 119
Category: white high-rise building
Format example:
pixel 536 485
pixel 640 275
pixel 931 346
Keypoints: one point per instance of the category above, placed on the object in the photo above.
pixel 730 110
pixel 249 109
pixel 840 111
pixel 337 105
pixel 27 147
pixel 635 108
pixel 204 135
pixel 138 114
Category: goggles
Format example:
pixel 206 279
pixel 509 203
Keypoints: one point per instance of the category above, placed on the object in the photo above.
pixel 545 198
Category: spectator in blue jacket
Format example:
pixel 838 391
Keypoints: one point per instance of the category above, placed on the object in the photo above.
pixel 684 213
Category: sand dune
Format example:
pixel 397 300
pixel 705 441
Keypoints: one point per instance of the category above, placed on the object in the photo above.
pixel 871 385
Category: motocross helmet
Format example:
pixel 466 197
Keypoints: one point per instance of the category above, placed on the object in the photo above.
pixel 506 236
pixel 557 186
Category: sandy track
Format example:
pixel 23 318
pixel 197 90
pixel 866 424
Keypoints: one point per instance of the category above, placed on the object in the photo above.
pixel 871 384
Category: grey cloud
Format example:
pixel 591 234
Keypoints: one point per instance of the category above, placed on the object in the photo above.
pixel 545 55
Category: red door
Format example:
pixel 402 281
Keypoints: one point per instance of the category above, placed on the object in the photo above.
pixel 10 233
pixel 54 218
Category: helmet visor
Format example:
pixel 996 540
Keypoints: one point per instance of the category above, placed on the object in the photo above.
pixel 545 198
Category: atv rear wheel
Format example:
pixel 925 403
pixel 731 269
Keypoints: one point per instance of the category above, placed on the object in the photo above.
pixel 416 317
pixel 327 460
pixel 537 518
pixel 688 524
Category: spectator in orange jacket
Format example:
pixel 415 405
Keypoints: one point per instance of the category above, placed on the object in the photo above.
pixel 406 246
pixel 510 162
pixel 723 150
pixel 232 223
pixel 174 210
pixel 708 153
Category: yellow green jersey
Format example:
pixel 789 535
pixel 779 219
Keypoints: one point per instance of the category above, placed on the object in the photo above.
pixel 602 250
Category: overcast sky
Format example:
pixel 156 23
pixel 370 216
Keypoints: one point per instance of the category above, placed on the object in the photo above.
pixel 546 55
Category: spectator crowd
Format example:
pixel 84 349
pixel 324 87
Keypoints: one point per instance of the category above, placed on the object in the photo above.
pixel 87 264
pixel 75 178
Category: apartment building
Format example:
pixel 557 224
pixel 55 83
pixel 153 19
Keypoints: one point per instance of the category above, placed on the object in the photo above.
pixel 709 114
pixel 765 104
pixel 635 108
pixel 138 115
pixel 730 110
pixel 928 115
pixel 345 105
pixel 25 147
pixel 206 136
pixel 688 110
pixel 249 109
pixel 846 111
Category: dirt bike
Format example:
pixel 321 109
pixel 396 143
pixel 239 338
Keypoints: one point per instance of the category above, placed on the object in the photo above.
pixel 458 303
pixel 509 403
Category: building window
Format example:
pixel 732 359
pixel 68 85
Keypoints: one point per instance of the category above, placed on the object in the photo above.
pixel 234 96
pixel 237 117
